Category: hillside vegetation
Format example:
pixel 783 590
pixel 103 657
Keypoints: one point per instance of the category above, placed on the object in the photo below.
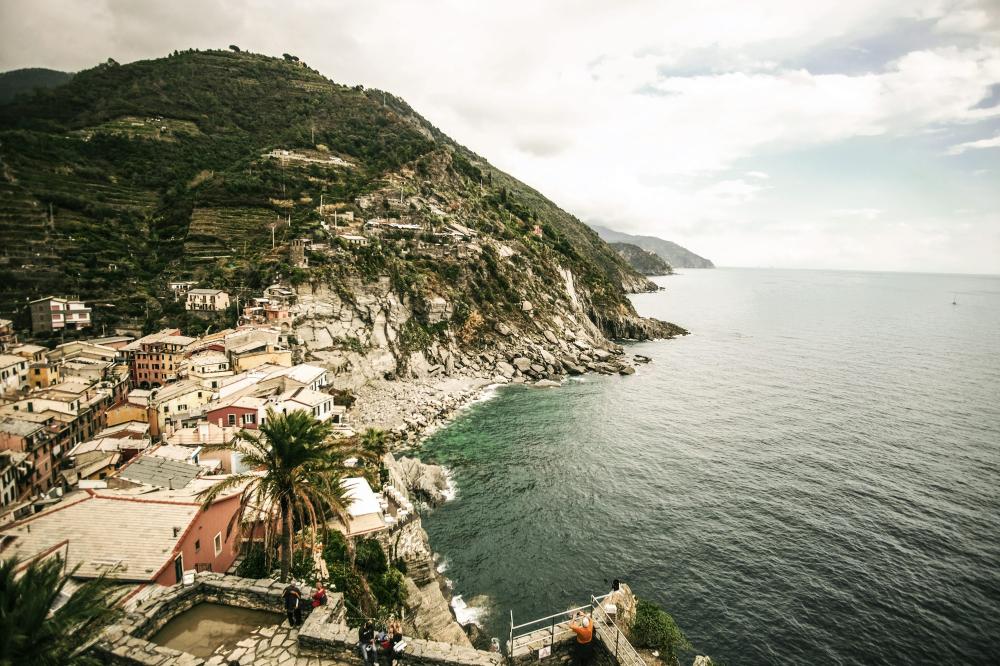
pixel 127 176
pixel 23 81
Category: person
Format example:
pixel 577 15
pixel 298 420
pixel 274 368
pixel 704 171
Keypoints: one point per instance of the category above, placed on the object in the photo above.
pixel 583 626
pixel 366 640
pixel 396 643
pixel 319 596
pixel 293 605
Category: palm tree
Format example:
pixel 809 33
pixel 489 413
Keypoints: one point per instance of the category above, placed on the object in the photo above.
pixel 297 467
pixel 373 440
pixel 31 632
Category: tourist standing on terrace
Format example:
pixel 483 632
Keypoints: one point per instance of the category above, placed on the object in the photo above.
pixel 583 627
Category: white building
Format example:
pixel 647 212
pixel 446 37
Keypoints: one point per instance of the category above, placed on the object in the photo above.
pixel 56 314
pixel 209 300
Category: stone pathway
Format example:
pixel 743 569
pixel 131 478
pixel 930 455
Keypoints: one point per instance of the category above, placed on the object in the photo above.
pixel 276 645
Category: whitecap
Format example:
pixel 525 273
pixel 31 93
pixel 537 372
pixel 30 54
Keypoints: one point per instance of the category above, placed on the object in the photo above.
pixel 450 490
pixel 464 613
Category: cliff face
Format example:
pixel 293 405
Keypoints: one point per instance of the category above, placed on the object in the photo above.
pixel 207 165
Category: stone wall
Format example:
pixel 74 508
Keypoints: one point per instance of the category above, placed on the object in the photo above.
pixel 325 634
pixel 126 643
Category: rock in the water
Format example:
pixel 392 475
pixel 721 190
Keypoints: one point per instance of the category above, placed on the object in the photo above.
pixel 426 481
pixel 602 355
pixel 545 383
pixel 626 370
pixel 639 358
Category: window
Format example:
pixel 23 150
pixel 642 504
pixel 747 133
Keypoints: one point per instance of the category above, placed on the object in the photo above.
pixel 197 545
pixel 218 544
pixel 232 419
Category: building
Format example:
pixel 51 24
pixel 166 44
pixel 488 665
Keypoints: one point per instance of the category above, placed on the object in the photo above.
pixel 365 515
pixel 209 367
pixel 177 403
pixel 33 353
pixel 139 534
pixel 56 314
pixel 13 374
pixel 180 288
pixel 207 300
pixel 207 433
pixel 34 442
pixel 157 359
pixel 297 252
pixel 43 374
pixel 244 412
pixel 320 405
pixel 351 239
pixel 8 337
pixel 12 472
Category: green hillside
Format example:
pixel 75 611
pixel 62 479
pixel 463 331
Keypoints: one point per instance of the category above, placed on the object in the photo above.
pixel 127 176
pixel 24 81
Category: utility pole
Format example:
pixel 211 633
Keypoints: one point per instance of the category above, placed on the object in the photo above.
pixel 273 226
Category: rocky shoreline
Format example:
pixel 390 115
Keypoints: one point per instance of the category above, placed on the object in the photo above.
pixel 411 410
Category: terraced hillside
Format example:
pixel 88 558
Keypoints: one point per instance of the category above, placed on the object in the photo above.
pixel 128 176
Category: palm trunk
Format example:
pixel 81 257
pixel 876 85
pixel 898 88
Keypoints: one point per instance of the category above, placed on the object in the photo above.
pixel 286 540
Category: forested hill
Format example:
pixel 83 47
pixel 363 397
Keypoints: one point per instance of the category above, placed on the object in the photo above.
pixel 129 175
pixel 22 81
pixel 670 252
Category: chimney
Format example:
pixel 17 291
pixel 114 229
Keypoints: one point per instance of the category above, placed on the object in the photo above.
pixel 170 486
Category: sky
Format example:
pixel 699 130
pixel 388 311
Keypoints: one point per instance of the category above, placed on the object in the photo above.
pixel 855 134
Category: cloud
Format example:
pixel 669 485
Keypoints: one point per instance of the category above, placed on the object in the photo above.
pixel 863 213
pixel 757 174
pixel 980 144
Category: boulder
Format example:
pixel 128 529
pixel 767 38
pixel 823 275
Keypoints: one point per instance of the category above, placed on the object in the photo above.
pixel 545 383
pixel 505 369
pixel 639 358
pixel 550 336
pixel 503 329
pixel 537 369
pixel 547 356
pixel 521 363
pixel 526 306
pixel 626 370
pixel 602 355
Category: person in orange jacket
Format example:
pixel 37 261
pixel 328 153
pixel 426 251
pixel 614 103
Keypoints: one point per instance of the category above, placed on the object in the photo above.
pixel 583 626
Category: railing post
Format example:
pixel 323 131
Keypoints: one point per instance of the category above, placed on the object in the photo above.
pixel 552 632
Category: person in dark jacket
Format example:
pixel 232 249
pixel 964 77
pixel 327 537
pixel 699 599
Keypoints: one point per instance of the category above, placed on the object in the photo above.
pixel 366 641
pixel 293 604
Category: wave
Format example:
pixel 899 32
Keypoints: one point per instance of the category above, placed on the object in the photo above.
pixel 464 613
pixel 451 490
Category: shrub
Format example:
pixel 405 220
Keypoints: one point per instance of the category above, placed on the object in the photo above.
pixel 370 558
pixel 334 549
pixel 389 589
pixel 655 628
pixel 254 563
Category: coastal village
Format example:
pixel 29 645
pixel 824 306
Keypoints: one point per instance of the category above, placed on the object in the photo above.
pixel 108 445
pixel 137 429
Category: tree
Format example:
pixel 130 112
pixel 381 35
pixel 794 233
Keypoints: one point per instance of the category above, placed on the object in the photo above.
pixel 296 478
pixel 655 628
pixel 234 48
pixel 35 629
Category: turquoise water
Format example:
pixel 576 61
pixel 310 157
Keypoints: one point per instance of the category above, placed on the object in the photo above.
pixel 812 476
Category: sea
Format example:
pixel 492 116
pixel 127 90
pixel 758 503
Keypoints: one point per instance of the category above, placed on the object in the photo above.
pixel 812 476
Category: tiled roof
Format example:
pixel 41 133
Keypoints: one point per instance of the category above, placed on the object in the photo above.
pixel 101 531
pixel 159 472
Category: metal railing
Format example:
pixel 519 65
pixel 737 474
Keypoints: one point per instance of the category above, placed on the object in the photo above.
pixel 546 631
pixel 615 641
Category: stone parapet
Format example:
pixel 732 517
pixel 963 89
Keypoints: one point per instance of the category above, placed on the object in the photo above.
pixel 325 634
